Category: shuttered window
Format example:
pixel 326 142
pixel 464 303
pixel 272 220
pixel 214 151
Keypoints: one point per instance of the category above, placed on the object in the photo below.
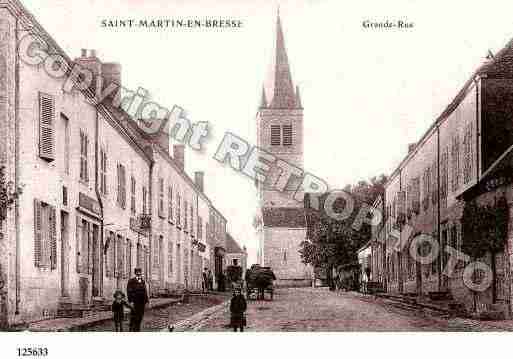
pixel 170 203
pixel 103 172
pixel 65 122
pixel 185 227
pixel 128 259
pixel 178 200
pixel 46 127
pixel 156 252
pixel 455 156
pixel 275 135
pixel 200 228
pixel 192 221
pixel 45 235
pixel 170 257
pixel 161 197
pixel 111 255
pixel 287 135
pixel 144 199
pixel 121 197
pixel 132 195
pixel 84 149
pixel 120 256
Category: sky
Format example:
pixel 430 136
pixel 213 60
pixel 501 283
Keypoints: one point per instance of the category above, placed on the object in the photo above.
pixel 366 93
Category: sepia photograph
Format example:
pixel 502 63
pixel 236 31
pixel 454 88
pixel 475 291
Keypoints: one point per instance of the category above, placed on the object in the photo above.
pixel 308 166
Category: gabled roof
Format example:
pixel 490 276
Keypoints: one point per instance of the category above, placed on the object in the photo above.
pixel 284 217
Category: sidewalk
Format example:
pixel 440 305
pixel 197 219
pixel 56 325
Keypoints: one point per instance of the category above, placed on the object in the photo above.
pixel 78 324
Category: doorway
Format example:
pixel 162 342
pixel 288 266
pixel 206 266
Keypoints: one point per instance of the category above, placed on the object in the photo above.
pixel 96 273
pixel 65 249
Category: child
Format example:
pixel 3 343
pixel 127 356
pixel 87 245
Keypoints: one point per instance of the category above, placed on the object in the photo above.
pixel 237 308
pixel 118 312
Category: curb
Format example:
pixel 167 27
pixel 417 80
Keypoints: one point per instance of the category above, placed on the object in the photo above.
pixel 193 323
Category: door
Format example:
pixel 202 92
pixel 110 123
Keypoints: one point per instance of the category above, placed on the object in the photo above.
pixel 65 250
pixel 96 274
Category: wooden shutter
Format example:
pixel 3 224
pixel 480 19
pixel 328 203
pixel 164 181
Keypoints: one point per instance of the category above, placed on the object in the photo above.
pixel 53 238
pixel 275 135
pixel 78 235
pixel 287 135
pixel 46 127
pixel 170 256
pixel 37 232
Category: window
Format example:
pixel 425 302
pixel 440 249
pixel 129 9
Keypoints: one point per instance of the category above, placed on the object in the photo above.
pixel 170 257
pixel 111 256
pixel 275 135
pixel 132 195
pixel 178 217
pixel 144 199
pixel 156 251
pixel 467 154
pixel 128 259
pixel 46 127
pixel 287 135
pixel 120 256
pixel 426 185
pixel 161 197
pixel 103 172
pixel 121 198
pixel 200 229
pixel 170 203
pixel 192 221
pixel 45 235
pixel 444 175
pixel 285 256
pixel 84 148
pixel 185 227
pixel 434 183
pixel 455 154
pixel 416 195
pixel 66 143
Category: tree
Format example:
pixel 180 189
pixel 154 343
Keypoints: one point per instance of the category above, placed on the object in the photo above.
pixel 331 242
pixel 7 195
pixel 485 230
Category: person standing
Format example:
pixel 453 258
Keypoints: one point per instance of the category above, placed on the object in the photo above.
pixel 138 298
pixel 238 308
pixel 205 281
pixel 210 280
pixel 118 310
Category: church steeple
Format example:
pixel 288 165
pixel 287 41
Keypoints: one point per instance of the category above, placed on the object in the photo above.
pixel 279 87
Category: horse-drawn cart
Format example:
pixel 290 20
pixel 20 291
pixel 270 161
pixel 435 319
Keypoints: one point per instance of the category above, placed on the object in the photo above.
pixel 259 280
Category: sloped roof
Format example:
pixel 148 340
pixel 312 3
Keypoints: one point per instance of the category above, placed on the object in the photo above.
pixel 231 245
pixel 284 217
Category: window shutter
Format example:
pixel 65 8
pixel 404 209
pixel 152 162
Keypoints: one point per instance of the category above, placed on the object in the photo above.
pixel 79 245
pixel 46 127
pixel 275 135
pixel 287 135
pixel 114 255
pixel 53 238
pixel 37 233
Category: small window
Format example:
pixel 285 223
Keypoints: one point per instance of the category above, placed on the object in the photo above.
pixel 275 135
pixel 287 135
pixel 46 127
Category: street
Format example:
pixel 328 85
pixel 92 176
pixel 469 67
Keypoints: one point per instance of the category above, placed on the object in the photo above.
pixel 317 309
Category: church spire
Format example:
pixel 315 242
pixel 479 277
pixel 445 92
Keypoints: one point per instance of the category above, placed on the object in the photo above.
pixel 298 98
pixel 263 101
pixel 279 88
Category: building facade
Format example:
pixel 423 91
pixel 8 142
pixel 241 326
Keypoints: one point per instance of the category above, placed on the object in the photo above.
pixel 463 157
pixel 280 223
pixel 99 196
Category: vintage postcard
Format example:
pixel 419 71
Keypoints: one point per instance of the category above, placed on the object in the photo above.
pixel 254 166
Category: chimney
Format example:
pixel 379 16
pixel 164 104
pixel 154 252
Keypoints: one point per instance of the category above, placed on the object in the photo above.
pixel 179 155
pixel 111 73
pixel 94 65
pixel 199 180
pixel 411 147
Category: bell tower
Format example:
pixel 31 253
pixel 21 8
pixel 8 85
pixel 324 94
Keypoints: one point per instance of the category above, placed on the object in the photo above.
pixel 280 125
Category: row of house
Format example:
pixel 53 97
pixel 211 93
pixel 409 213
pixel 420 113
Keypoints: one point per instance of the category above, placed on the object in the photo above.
pixel 464 157
pixel 99 195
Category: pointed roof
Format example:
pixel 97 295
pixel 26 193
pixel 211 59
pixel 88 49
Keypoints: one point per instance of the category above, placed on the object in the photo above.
pixel 263 101
pixel 279 89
